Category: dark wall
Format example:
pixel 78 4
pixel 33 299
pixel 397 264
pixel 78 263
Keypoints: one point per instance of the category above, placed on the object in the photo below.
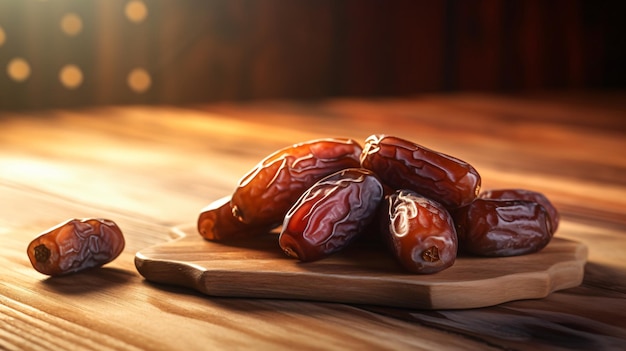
pixel 212 50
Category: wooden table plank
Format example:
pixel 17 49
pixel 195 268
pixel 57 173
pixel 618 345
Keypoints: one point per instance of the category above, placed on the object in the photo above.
pixel 153 167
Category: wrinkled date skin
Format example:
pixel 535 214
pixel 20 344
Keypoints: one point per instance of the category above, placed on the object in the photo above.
pixel 420 232
pixel 265 194
pixel 529 195
pixel 502 227
pixel 217 223
pixel 331 214
pixel 402 164
pixel 76 245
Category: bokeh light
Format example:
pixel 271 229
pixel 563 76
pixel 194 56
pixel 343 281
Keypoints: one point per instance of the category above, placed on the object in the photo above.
pixel 139 80
pixel 71 24
pixel 71 76
pixel 3 36
pixel 18 69
pixel 136 11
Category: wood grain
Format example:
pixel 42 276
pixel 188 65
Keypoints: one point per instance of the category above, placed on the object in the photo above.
pixel 152 168
pixel 362 274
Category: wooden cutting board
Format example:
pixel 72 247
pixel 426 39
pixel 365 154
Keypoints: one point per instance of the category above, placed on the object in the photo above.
pixel 362 275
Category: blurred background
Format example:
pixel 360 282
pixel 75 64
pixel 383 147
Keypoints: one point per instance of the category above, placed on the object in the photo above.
pixel 64 53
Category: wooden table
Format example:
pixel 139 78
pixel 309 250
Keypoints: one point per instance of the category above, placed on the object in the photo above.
pixel 152 168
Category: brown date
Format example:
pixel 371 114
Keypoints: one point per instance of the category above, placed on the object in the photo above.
pixel 217 223
pixel 402 164
pixel 502 227
pixel 529 195
pixel 265 194
pixel 76 245
pixel 419 231
pixel 330 214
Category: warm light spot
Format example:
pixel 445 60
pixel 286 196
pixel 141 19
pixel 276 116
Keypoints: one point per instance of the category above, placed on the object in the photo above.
pixel 136 11
pixel 2 36
pixel 18 69
pixel 71 76
pixel 71 24
pixel 139 80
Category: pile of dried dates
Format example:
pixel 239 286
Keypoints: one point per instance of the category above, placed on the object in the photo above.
pixel 425 205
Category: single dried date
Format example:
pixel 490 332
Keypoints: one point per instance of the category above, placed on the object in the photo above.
pixel 265 194
pixel 331 214
pixel 76 245
pixel 402 164
pixel 419 232
pixel 216 222
pixel 529 195
pixel 500 228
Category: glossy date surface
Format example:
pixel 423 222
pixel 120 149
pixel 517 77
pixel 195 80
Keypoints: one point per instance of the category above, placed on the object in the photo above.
pixel 528 195
pixel 76 245
pixel 419 232
pixel 501 228
pixel 216 222
pixel 331 214
pixel 265 194
pixel 402 164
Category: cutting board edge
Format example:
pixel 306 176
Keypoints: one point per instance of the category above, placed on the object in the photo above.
pixel 430 297
pixel 559 276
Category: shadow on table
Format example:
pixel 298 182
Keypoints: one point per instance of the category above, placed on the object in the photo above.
pixel 605 276
pixel 96 279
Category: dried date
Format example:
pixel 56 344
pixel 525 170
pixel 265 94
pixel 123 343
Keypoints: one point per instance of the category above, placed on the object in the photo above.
pixel 402 164
pixel 529 195
pixel 419 232
pixel 216 222
pixel 265 194
pixel 500 228
pixel 331 214
pixel 76 245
